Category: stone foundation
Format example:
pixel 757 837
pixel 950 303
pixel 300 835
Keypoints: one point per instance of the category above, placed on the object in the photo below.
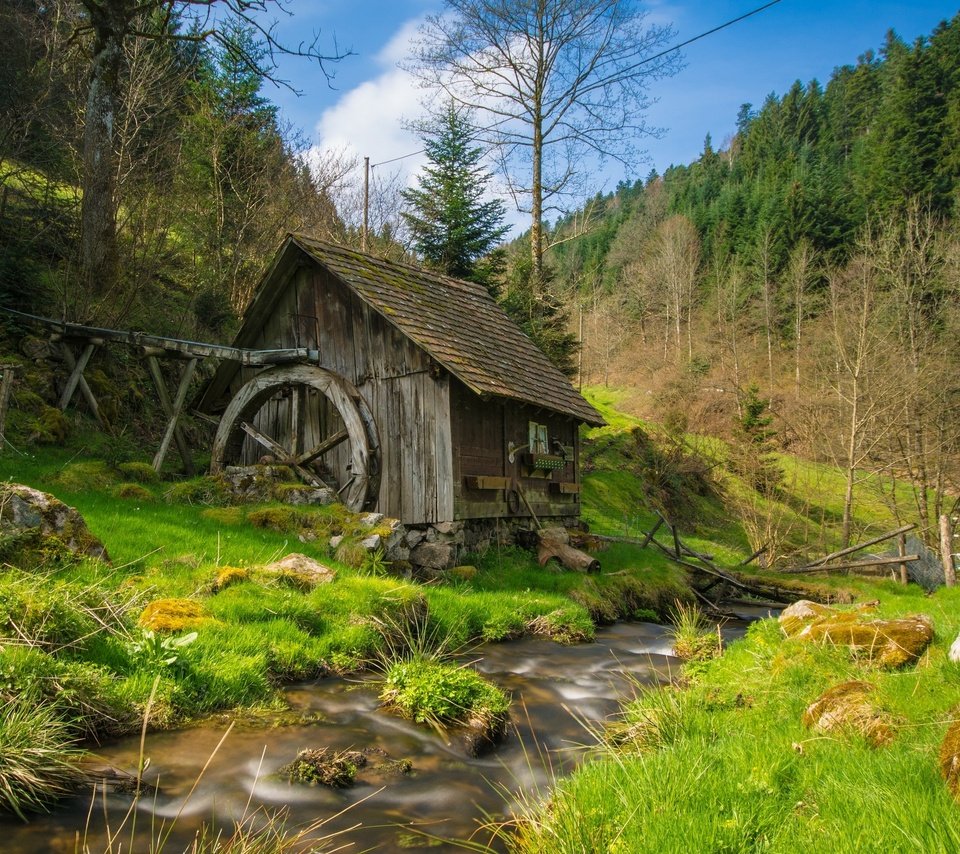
pixel 441 545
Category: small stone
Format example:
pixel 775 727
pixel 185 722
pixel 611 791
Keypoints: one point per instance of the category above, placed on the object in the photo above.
pixel 371 543
pixel 432 555
pixel 371 520
pixel 335 541
pixel 414 537
pixel 307 537
pixel 448 527
pixel 302 568
pixel 955 650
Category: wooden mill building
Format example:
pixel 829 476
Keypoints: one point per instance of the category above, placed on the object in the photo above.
pixel 420 398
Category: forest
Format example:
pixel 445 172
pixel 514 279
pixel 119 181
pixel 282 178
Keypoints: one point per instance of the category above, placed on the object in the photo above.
pixel 813 260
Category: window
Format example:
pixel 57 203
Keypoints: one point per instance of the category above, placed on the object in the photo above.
pixel 539 442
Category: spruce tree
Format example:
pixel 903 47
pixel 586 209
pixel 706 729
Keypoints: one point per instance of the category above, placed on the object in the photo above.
pixel 451 226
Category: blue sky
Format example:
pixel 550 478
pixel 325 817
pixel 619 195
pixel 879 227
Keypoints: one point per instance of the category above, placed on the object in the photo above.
pixel 796 39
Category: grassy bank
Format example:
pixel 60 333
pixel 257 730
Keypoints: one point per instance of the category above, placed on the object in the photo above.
pixel 723 762
pixel 75 644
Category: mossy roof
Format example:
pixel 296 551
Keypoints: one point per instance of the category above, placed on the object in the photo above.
pixel 456 322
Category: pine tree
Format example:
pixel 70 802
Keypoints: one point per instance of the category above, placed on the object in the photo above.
pixel 452 227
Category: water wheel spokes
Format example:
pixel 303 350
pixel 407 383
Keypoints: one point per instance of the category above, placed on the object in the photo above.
pixel 359 429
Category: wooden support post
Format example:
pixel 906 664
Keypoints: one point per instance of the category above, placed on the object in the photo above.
pixel 676 540
pixel 297 407
pixel 902 550
pixel 6 384
pixel 946 552
pixel 77 367
pixel 648 537
pixel 172 410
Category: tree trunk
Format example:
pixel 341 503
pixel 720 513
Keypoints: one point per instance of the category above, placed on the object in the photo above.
pixel 946 552
pixel 536 210
pixel 851 463
pixel 98 215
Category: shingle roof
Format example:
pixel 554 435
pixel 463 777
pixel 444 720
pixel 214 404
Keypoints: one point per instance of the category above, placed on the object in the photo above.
pixel 457 323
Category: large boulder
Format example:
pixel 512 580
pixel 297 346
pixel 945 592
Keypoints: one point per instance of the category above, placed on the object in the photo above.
pixel 889 643
pixel 31 514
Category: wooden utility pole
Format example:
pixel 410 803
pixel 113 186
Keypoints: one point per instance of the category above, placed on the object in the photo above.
pixel 366 203
pixel 6 384
pixel 946 551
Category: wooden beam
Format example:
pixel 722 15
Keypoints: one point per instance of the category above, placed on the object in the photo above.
pixel 851 549
pixel 172 410
pixel 835 567
pixel 77 367
pixel 649 537
pixel 321 449
pixel 6 384
pixel 902 550
pixel 85 389
pixel 283 455
pixel 297 408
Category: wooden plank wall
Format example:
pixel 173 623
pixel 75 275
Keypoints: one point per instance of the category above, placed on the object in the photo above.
pixel 410 404
pixel 481 433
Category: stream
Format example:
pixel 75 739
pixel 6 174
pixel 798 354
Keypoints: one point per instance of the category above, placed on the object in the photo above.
pixel 558 693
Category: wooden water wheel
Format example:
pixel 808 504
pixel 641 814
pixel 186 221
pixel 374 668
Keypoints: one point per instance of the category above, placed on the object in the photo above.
pixel 353 424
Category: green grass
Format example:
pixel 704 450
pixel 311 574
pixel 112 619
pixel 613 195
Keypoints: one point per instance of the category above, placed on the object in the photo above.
pixel 725 764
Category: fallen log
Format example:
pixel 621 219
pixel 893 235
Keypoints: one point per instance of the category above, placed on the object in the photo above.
pixel 555 543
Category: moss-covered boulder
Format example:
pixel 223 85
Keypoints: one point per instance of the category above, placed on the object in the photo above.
pixel 32 517
pixel 889 643
pixel 846 708
pixel 173 615
pixel 324 767
pixel 950 757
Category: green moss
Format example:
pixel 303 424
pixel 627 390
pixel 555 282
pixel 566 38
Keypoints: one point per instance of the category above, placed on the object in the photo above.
pixel 208 489
pixel 86 475
pixel 325 767
pixel 172 615
pixel 139 472
pixel 950 758
pixel 132 492
pixel 282 519
pixel 51 426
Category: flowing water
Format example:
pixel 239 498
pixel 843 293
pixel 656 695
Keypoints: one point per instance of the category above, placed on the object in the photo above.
pixel 558 693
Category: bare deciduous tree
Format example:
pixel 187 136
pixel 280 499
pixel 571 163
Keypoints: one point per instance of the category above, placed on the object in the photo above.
pixel 553 81
pixel 112 26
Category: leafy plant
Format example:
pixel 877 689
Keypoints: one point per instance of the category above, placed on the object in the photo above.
pixel 155 650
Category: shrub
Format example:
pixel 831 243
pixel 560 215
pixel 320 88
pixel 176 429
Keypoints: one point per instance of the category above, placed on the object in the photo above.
pixel 37 758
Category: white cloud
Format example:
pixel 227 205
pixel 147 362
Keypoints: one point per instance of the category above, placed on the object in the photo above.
pixel 368 120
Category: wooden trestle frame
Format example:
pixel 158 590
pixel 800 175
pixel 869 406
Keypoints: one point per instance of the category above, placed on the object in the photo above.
pixel 77 343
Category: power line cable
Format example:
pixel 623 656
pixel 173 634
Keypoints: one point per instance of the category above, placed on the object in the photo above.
pixel 682 44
